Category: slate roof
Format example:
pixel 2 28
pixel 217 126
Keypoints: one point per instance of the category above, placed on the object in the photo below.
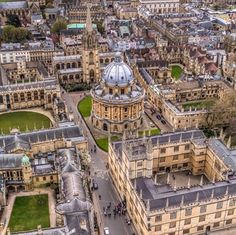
pixel 8 161
pixel 40 136
pixel 162 195
pixel 13 5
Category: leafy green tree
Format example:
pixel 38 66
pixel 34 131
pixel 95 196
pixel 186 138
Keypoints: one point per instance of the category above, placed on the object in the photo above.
pixel 13 34
pixel 59 25
pixel 100 26
pixel 14 20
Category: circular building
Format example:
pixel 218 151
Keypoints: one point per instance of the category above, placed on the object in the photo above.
pixel 117 100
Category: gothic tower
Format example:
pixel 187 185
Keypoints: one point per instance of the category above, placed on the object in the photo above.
pixel 90 53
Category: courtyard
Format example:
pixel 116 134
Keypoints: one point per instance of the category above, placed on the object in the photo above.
pixel 29 212
pixel 23 120
pixel 176 72
pixel 198 104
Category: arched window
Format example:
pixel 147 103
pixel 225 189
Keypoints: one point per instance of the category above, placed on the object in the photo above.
pixel 29 96
pixel 73 65
pixel 49 98
pixel 22 96
pixel 91 60
pixel 68 65
pixel 36 95
pixel 105 128
pixel 15 98
pixel 1 99
pixel 91 75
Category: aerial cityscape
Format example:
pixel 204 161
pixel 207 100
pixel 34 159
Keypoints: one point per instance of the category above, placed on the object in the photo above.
pixel 118 117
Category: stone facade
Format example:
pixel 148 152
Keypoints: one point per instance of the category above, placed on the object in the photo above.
pixel 117 100
pixel 163 207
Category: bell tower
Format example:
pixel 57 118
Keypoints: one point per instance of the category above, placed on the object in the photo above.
pixel 90 53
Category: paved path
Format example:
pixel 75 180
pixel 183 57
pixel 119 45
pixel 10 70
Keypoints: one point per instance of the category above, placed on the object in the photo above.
pixel 99 173
pixel 11 199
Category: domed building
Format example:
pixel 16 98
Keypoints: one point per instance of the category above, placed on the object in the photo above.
pixel 117 100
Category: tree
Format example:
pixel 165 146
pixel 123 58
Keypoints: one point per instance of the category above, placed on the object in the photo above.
pixel 100 26
pixel 13 34
pixel 59 25
pixel 222 112
pixel 14 20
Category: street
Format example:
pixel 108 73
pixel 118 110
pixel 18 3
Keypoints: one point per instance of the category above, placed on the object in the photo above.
pixel 99 173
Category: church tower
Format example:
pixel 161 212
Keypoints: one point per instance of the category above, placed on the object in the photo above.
pixel 90 53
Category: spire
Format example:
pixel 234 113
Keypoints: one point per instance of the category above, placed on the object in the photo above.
pixel 89 25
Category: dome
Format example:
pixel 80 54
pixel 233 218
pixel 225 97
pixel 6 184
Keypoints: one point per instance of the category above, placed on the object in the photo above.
pixel 25 160
pixel 118 73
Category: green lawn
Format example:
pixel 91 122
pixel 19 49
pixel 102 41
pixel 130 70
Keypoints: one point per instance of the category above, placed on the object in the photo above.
pixel 23 120
pixel 199 104
pixel 102 143
pixel 29 212
pixel 176 72
pixel 85 106
pixel 150 132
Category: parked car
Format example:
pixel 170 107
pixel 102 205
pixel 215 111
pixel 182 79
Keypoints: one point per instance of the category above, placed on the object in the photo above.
pixel 158 117
pixel 163 121
pixel 106 231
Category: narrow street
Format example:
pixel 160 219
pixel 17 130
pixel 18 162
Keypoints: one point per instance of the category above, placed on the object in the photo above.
pixel 99 173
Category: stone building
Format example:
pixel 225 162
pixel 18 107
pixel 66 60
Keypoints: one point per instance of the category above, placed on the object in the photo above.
pixel 161 6
pixel 27 160
pixel 85 57
pixel 161 198
pixel 117 100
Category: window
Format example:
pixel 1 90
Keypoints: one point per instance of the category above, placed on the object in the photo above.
pixel 176 157
pixel 158 218
pixel 162 159
pixel 216 224
pixel 44 178
pixel 203 209
pixel 140 163
pixel 126 109
pixel 200 228
pixel 187 221
pixel 217 215
pixel 157 228
pixel 174 166
pixel 229 221
pixel 105 108
pixel 185 164
pixel 188 211
pixel 219 205
pixel 173 215
pixel 122 91
pixel 139 174
pixel 186 231
pixel 232 202
pixel 163 150
pixel 176 148
pixel 186 155
pixel 187 147
pixel 110 91
pixel 202 218
pixel 172 224
pixel 231 212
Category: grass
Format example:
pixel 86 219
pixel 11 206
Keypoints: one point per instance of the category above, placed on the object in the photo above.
pixel 102 143
pixel 199 104
pixel 29 212
pixel 150 132
pixel 85 106
pixel 176 72
pixel 23 120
